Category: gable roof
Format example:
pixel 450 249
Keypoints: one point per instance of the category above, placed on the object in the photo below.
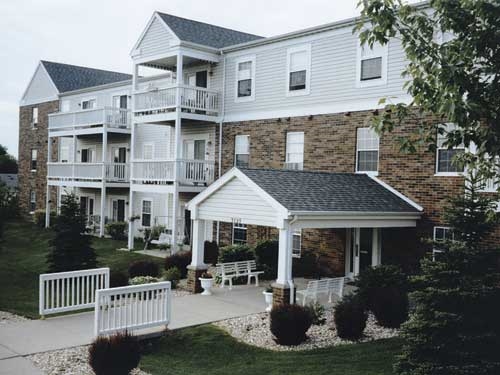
pixel 304 191
pixel 204 33
pixel 72 77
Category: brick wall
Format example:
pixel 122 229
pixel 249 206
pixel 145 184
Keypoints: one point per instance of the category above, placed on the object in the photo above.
pixel 34 138
pixel 330 145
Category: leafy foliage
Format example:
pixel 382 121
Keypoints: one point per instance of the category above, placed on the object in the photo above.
pixel 390 306
pixel 179 260
pixel 71 248
pixel 8 163
pixel 139 280
pixel 455 327
pixel 173 275
pixel 266 253
pixel 317 312
pixel 117 279
pixel 143 268
pixel 8 206
pixel 211 252
pixel 117 230
pixel 289 324
pixel 453 78
pixel 114 355
pixel 235 253
pixel 39 217
pixel 350 317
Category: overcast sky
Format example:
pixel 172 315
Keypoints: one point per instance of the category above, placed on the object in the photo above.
pixel 101 33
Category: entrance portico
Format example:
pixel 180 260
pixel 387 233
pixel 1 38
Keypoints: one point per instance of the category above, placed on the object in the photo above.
pixel 295 200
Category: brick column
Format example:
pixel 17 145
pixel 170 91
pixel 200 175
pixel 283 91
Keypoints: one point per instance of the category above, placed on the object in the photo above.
pixel 193 282
pixel 281 294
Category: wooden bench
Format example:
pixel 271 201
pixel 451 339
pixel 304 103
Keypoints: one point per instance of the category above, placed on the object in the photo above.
pixel 228 271
pixel 323 286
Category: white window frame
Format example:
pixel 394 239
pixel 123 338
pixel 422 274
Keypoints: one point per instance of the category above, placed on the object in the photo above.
pixel 87 100
pixel 148 144
pixel 150 214
pixel 94 153
pixel 434 249
pixel 447 127
pixel 240 60
pixel 380 51
pixel 241 153
pixel 65 105
pixel 297 253
pixel 371 173
pixel 288 163
pixel 241 226
pixel 35 113
pixel 32 201
pixel 303 48
pixel 34 159
pixel 62 150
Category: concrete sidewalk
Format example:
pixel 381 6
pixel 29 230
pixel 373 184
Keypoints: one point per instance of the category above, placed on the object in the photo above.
pixel 35 336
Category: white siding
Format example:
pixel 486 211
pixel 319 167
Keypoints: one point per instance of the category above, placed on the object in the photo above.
pixel 104 97
pixel 159 207
pixel 156 40
pixel 40 89
pixel 96 142
pixel 235 200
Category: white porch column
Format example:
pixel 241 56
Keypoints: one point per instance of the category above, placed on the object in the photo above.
pixel 103 188
pixel 47 193
pixel 131 226
pixel 284 280
pixel 198 251
pixel 75 155
pixel 376 247
pixel 131 223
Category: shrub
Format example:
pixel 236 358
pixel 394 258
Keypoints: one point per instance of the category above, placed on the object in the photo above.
pixel 306 265
pixel 317 312
pixel 350 317
pixel 114 355
pixel 235 253
pixel 390 307
pixel 117 279
pixel 143 268
pixel 211 252
pixel 289 324
pixel 180 260
pixel 266 254
pixel 116 230
pixel 138 280
pixel 39 218
pixel 173 275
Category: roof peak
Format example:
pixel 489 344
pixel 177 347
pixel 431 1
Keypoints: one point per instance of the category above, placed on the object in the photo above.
pixel 82 67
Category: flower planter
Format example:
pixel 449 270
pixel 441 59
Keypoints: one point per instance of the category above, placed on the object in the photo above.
pixel 268 296
pixel 206 284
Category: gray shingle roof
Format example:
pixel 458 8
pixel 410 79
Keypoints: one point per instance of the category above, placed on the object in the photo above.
pixel 71 77
pixel 327 192
pixel 204 33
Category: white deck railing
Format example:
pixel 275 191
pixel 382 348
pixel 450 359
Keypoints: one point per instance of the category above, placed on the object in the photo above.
pixel 190 171
pixel 132 307
pixel 164 99
pixel 113 172
pixel 112 117
pixel 69 291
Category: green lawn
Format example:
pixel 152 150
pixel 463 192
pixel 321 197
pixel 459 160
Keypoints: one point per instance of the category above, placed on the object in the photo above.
pixel 208 350
pixel 22 259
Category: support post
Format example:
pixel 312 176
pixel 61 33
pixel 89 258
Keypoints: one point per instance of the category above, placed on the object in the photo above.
pixel 103 188
pixel 47 193
pixel 131 225
pixel 283 288
pixel 197 266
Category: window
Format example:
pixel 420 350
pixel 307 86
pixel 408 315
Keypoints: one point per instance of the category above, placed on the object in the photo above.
pixel 446 158
pixel 88 104
pixel 34 117
pixel 297 244
pixel 372 65
pixel 367 148
pixel 245 79
pixel 294 150
pixel 87 155
pixel 34 156
pixel 298 70
pixel 120 101
pixel 64 156
pixel 32 201
pixel 65 105
pixel 239 234
pixel 146 213
pixel 241 151
pixel 441 234
pixel 147 151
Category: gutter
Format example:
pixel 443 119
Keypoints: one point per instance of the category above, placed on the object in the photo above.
pixel 221 121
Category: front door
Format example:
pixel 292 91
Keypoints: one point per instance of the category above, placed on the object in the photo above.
pixel 87 208
pixel 119 158
pixel 363 250
pixel 118 213
pixel 194 149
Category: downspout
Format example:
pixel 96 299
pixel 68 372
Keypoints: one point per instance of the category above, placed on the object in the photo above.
pixel 290 281
pixel 221 120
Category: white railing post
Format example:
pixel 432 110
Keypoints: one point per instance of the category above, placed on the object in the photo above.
pixel 41 297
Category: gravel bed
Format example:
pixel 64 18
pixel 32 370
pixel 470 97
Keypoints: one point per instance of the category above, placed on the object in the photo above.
pixel 72 361
pixel 7 318
pixel 254 330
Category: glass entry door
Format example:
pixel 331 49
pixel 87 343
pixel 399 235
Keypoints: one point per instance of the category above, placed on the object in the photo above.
pixel 362 250
pixel 118 213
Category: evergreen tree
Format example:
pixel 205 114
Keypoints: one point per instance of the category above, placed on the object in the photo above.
pixel 455 327
pixel 71 246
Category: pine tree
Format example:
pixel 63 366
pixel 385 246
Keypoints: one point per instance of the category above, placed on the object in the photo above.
pixel 455 326
pixel 71 247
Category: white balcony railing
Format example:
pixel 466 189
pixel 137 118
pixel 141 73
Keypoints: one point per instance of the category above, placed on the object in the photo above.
pixel 192 98
pixel 159 171
pixel 112 117
pixel 113 172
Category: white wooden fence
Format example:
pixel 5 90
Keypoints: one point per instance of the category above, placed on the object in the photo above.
pixel 132 307
pixel 69 291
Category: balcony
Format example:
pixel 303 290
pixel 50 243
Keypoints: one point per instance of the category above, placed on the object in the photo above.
pixel 113 118
pixel 88 172
pixel 159 100
pixel 195 172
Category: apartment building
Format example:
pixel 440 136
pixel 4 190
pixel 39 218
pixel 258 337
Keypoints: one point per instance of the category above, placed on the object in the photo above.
pixel 205 103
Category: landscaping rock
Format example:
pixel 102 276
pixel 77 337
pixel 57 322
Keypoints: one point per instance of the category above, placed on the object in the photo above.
pixel 254 330
pixel 7 318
